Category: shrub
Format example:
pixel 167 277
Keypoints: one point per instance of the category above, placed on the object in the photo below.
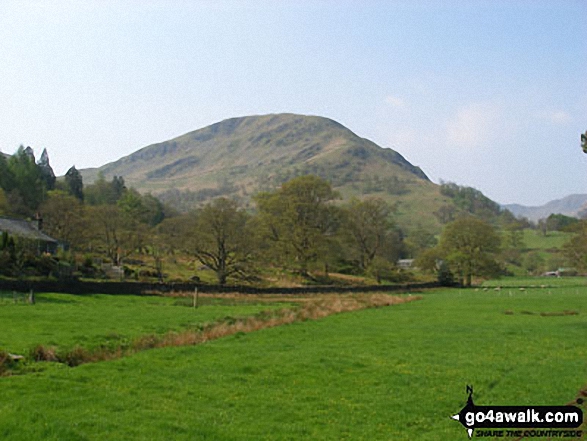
pixel 5 362
pixel 75 357
pixel 43 353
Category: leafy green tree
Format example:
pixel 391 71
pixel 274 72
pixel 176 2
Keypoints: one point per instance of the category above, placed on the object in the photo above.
pixel 584 142
pixel 298 218
pixel 114 233
pixel 446 213
pixel 221 240
pixel 103 192
pixel 469 246
pixel 420 239
pixel 533 263
pixel 560 222
pixel 64 218
pixel 74 183
pixel 145 209
pixel 367 226
pixel 575 250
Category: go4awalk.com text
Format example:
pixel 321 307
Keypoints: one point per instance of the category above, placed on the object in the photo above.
pixel 520 421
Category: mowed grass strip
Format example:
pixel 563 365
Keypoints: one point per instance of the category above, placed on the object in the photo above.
pixel 394 373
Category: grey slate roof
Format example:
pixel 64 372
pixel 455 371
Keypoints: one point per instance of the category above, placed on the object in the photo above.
pixel 22 228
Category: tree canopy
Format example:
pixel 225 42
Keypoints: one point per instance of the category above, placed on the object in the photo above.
pixel 469 245
pixel 298 218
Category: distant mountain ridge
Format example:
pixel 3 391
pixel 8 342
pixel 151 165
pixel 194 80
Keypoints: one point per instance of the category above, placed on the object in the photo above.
pixel 573 205
pixel 240 157
pixel 232 148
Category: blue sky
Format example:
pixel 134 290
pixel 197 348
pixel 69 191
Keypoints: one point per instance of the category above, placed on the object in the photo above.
pixel 490 94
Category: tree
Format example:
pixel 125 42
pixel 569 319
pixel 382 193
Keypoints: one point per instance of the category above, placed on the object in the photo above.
pixel 533 263
pixel 468 245
pixel 63 216
pixel 420 239
pixel 446 213
pixel 3 203
pixel 560 222
pixel 584 142
pixel 6 177
pixel 114 233
pixel 103 192
pixel 297 219
pixel 28 189
pixel 74 183
pixel 367 228
pixel 221 240
pixel 47 174
pixel 575 250
pixel 145 209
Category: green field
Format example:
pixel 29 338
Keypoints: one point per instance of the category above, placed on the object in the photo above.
pixel 393 373
pixel 535 240
pixel 66 321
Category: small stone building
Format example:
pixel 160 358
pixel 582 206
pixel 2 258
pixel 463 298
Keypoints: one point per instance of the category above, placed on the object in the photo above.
pixel 29 230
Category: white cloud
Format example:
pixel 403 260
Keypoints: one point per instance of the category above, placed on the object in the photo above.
pixel 472 125
pixel 559 117
pixel 395 101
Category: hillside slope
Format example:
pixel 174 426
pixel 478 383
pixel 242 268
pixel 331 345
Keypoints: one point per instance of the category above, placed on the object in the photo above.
pixel 241 156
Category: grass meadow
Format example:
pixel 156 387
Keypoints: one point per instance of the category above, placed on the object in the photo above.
pixel 387 373
pixel 65 321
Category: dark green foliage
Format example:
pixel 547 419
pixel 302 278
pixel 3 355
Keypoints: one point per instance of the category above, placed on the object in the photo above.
pixel 468 245
pixel 444 275
pixel 560 222
pixel 575 250
pixel 472 201
pixel 20 257
pixel 74 183
pixel 534 263
pixel 47 174
pixel 297 220
pixel 23 183
pixel 7 180
pixel 103 192
pixel 418 240
pixel 369 232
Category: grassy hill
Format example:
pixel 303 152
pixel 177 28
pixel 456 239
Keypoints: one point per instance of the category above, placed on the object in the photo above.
pixel 239 157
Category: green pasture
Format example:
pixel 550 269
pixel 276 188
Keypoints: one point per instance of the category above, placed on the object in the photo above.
pixel 66 321
pixel 393 373
pixel 535 240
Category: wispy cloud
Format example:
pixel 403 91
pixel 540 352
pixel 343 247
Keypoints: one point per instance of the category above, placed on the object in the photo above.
pixel 559 117
pixel 395 101
pixel 472 125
